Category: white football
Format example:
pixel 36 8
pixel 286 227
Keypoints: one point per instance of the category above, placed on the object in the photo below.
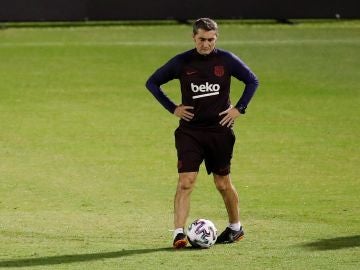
pixel 202 233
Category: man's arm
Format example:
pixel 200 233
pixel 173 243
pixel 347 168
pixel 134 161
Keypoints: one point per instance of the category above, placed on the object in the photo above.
pixel 243 73
pixel 160 77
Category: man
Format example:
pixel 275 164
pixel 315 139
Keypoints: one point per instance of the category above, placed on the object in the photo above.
pixel 206 119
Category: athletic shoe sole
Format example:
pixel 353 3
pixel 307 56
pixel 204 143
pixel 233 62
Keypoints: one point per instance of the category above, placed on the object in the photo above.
pixel 181 243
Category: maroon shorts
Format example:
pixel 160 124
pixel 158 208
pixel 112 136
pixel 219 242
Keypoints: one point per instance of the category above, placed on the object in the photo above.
pixel 196 145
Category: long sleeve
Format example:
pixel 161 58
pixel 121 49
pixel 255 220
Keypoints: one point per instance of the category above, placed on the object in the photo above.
pixel 243 73
pixel 161 76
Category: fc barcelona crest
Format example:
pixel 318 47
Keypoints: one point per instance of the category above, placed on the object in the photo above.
pixel 219 71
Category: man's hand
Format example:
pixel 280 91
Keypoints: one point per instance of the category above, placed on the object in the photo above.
pixel 230 115
pixel 182 112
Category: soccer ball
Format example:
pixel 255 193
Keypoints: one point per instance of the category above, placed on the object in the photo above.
pixel 202 233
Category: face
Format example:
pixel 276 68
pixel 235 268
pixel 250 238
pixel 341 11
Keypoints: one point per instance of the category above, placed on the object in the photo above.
pixel 205 41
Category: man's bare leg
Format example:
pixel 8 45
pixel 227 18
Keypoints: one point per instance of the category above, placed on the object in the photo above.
pixel 234 231
pixel 184 188
pixel 230 196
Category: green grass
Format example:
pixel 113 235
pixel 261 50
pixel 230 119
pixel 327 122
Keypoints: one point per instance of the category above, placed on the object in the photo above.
pixel 88 165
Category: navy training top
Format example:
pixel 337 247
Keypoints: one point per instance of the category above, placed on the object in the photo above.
pixel 205 84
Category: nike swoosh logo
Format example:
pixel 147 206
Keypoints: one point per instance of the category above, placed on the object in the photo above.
pixel 190 72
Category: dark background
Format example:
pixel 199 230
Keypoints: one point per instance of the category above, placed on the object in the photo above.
pixel 95 10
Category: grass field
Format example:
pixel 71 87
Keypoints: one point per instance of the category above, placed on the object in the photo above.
pixel 88 164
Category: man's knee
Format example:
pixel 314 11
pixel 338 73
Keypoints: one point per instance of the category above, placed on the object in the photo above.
pixel 222 182
pixel 186 181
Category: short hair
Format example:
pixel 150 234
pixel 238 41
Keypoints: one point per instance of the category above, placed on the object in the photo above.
pixel 206 24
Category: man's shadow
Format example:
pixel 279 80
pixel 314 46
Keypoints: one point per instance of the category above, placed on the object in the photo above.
pixel 334 243
pixel 322 244
pixel 53 260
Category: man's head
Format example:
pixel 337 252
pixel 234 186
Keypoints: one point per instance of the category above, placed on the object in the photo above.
pixel 205 33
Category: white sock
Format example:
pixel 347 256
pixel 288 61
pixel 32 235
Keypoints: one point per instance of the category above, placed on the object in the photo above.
pixel 177 231
pixel 235 226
